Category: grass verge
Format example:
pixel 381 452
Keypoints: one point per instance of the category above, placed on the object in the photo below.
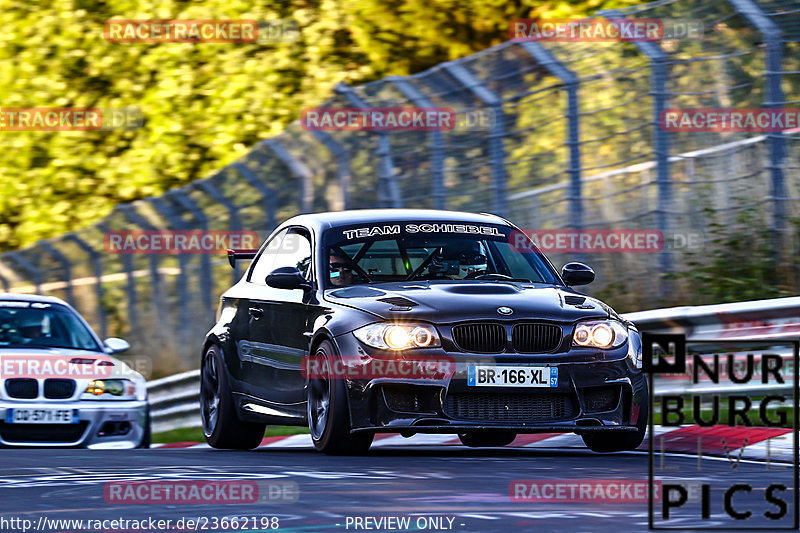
pixel 196 434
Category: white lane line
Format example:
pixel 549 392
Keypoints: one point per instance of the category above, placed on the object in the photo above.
pixel 420 439
pixel 292 441
pixel 480 516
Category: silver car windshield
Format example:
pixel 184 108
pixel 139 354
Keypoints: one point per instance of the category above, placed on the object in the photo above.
pixel 43 325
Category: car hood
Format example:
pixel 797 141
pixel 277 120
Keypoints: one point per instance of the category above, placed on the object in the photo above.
pixel 447 302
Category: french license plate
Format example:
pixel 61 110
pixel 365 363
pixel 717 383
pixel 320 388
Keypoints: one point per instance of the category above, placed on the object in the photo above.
pixel 42 416
pixel 512 376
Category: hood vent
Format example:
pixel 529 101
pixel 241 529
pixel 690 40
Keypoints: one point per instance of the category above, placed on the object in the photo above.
pixel 481 289
pixel 398 301
pixel 574 300
pixel 357 291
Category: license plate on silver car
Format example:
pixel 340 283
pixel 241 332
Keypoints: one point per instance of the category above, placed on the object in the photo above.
pixel 42 416
pixel 512 376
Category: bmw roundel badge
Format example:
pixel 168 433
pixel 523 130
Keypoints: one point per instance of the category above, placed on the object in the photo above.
pixel 505 310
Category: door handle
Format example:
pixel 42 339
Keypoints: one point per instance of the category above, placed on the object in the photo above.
pixel 256 312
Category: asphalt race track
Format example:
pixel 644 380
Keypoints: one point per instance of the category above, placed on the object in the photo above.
pixel 466 486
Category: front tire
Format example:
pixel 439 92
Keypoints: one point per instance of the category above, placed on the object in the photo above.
pixel 487 439
pixel 221 425
pixel 328 414
pixel 621 442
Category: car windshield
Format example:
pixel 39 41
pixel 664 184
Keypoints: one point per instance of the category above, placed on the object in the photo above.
pixel 43 325
pixel 431 251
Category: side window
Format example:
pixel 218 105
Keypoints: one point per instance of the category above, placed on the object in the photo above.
pixel 265 261
pixel 295 251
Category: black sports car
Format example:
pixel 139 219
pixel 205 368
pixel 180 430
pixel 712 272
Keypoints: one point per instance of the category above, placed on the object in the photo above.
pixel 416 321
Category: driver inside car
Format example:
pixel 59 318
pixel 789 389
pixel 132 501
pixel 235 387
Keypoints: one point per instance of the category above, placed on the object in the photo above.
pixel 467 256
pixel 341 273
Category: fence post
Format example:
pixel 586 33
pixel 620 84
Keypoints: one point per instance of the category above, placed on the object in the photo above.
pixel 544 58
pixel 65 264
pixel 267 196
pixel 130 284
pixel 97 267
pixel 658 76
pixel 497 154
pixel 342 164
pixel 388 189
pixel 658 91
pixel 234 221
pixel 175 221
pixel 182 199
pixel 776 141
pixel 436 140
pixel 300 170
pixel 4 281
pixel 29 269
pixel 130 213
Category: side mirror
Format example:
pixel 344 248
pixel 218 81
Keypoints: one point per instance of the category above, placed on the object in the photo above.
pixel 577 274
pixel 287 278
pixel 115 345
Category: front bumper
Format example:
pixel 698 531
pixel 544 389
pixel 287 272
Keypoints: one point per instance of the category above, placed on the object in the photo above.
pixel 596 392
pixel 102 424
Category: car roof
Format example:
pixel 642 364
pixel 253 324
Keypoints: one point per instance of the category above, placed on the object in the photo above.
pixel 19 297
pixel 331 219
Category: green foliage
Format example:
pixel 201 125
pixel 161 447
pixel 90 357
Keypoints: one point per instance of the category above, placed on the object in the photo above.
pixel 205 105
pixel 739 266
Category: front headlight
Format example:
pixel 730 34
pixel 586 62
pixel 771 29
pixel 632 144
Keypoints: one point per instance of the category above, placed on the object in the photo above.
pixel 398 336
pixel 603 334
pixel 111 389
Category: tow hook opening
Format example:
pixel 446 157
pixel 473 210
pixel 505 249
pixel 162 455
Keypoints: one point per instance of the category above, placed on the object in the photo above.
pixel 110 429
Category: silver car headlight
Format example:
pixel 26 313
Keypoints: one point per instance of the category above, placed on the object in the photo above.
pixel 390 336
pixel 603 334
pixel 110 389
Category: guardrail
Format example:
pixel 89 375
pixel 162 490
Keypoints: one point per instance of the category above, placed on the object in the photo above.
pixel 175 403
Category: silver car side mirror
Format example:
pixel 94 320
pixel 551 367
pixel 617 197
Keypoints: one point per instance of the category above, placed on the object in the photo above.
pixel 116 345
